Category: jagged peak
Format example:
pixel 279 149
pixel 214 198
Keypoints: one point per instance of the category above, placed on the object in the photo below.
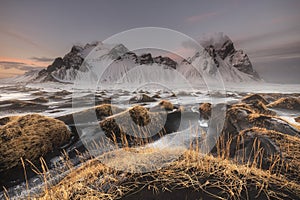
pixel 216 40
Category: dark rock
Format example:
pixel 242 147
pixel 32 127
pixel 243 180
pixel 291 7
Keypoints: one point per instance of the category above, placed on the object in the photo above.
pixel 128 56
pixel 156 96
pixel 165 61
pixel 40 93
pixel 58 62
pixel 297 119
pixel 226 49
pixel 146 59
pixel 253 147
pixel 212 52
pixel 241 61
pixel 40 100
pixel 62 93
pixel 22 105
pixel 101 111
pixel 238 119
pixel 143 98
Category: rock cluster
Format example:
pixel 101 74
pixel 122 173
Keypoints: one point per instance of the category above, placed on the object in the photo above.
pixel 246 132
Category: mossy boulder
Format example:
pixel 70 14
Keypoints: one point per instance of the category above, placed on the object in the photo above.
pixel 29 137
pixel 290 103
pixel 166 105
pixel 163 105
pixel 205 110
pixel 138 125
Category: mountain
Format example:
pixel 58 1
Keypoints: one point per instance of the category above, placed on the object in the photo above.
pixel 86 63
pixel 221 48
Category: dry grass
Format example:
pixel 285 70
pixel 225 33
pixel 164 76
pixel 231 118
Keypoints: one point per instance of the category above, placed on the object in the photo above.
pixel 290 149
pixel 185 174
pixel 284 161
pixel 254 97
pixel 255 107
pixel 291 103
pixel 259 120
pixel 191 176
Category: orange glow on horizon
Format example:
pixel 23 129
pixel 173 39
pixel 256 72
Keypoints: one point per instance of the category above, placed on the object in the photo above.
pixel 11 72
pixel 25 61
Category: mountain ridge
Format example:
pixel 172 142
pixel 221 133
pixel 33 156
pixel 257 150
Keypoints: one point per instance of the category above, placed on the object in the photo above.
pixel 219 54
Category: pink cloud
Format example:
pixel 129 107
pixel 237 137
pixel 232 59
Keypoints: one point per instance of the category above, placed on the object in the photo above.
pixel 284 19
pixel 201 17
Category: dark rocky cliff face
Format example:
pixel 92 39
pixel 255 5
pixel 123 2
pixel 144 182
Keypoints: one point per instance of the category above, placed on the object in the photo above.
pixel 237 58
pixel 74 60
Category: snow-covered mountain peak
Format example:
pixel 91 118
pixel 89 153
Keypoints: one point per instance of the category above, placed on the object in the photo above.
pixel 217 40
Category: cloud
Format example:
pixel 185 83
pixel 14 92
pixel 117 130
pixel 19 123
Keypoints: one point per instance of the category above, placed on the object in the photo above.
pixel 277 52
pixel 42 59
pixel 201 17
pixel 285 19
pixel 295 30
pixel 11 63
pixel 7 65
pixel 20 37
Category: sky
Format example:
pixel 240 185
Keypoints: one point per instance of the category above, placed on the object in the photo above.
pixel 34 32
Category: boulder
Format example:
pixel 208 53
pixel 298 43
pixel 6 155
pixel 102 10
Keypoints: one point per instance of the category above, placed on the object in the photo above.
pixel 40 100
pixel 257 107
pixel 205 110
pixel 137 125
pixel 290 103
pixel 253 147
pixel 163 105
pixel 156 96
pixel 238 119
pixel 143 98
pixel 29 137
pixel 297 119
pixel 62 93
pixel 254 98
pixel 100 112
